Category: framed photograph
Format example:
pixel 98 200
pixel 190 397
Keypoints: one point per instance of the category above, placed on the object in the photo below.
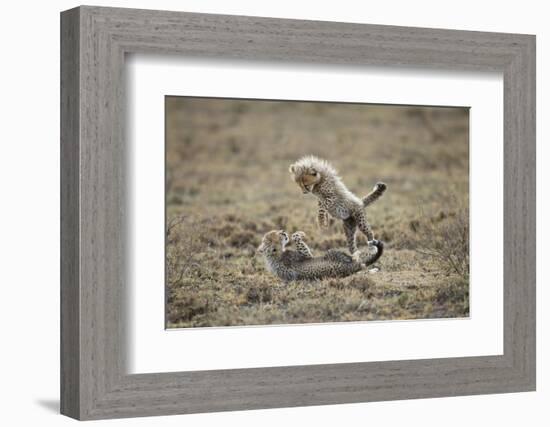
pixel 262 213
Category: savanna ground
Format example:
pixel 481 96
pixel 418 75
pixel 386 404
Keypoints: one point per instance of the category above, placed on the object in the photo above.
pixel 228 183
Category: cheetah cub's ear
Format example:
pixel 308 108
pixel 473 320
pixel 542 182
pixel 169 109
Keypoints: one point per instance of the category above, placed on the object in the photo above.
pixel 292 168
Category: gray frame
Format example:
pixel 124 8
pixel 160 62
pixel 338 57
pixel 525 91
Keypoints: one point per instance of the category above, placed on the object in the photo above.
pixel 94 41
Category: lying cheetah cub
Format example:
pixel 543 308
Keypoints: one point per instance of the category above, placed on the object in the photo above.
pixel 318 177
pixel 300 264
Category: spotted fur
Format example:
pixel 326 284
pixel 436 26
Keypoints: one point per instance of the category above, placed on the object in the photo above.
pixel 300 264
pixel 300 245
pixel 319 177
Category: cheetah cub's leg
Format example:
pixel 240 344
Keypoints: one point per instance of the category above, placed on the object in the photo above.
pixel 350 229
pixel 322 215
pixel 300 245
pixel 365 228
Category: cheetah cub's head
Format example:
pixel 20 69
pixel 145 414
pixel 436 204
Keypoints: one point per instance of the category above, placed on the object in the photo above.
pixel 307 173
pixel 273 243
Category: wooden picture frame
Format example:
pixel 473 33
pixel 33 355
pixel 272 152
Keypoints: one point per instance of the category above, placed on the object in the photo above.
pixel 94 382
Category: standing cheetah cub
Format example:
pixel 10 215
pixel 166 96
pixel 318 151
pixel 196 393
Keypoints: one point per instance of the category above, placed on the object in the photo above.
pixel 318 177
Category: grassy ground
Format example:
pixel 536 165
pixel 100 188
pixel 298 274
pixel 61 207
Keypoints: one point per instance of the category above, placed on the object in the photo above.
pixel 228 184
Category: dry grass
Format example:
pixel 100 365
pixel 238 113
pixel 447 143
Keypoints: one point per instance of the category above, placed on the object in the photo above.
pixel 228 184
pixel 446 239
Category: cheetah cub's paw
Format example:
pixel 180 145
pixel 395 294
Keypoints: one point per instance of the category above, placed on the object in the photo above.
pixel 297 236
pixel 356 256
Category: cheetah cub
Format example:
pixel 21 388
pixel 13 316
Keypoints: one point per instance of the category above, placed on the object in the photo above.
pixel 319 177
pixel 300 264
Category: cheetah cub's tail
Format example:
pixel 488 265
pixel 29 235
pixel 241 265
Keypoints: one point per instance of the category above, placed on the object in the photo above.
pixel 375 194
pixel 372 258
